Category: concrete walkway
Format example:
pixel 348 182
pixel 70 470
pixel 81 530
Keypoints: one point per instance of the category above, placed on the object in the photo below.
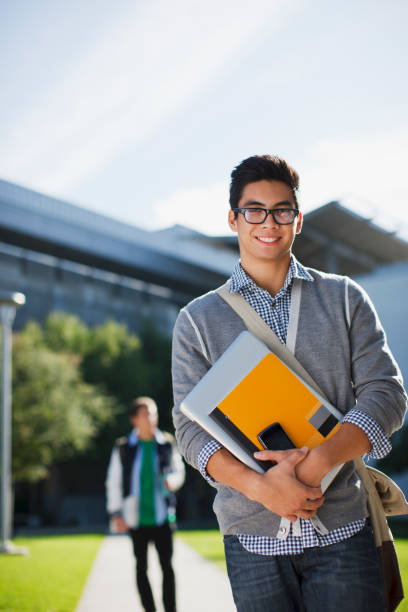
pixel 201 586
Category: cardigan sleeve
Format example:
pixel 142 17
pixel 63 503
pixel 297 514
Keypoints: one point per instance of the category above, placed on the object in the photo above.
pixel 189 364
pixel 176 475
pixel 376 377
pixel 113 483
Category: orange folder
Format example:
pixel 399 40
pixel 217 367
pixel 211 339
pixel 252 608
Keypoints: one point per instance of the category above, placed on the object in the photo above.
pixel 271 393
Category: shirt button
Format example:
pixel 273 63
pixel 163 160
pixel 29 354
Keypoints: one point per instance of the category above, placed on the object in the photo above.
pixel 273 304
pixel 282 530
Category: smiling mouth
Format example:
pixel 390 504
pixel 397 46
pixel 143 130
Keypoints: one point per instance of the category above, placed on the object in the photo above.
pixel 266 240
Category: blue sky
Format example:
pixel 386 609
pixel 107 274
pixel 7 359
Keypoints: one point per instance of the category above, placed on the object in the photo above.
pixel 140 110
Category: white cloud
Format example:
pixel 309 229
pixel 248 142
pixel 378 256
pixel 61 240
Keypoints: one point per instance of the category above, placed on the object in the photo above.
pixel 142 70
pixel 368 174
pixel 203 209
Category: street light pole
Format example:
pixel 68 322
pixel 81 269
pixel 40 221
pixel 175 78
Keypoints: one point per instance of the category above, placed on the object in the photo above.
pixel 9 302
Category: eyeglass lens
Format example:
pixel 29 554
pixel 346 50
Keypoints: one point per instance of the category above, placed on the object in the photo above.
pixel 282 216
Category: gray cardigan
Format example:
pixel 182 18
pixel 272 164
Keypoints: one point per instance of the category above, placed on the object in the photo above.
pixel 339 341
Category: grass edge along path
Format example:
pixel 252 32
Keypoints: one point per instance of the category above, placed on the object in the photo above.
pixel 208 544
pixel 52 577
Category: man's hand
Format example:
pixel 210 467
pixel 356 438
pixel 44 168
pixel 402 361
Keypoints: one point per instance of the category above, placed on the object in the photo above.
pixel 312 470
pixel 119 525
pixel 280 490
pixel 346 444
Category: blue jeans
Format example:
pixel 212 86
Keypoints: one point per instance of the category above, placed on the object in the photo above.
pixel 344 576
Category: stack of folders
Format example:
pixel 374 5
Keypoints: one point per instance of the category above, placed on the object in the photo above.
pixel 250 400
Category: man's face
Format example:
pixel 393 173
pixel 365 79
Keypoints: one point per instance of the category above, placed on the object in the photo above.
pixel 145 421
pixel 267 241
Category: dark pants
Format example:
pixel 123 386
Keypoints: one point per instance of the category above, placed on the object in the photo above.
pixel 161 536
pixel 343 576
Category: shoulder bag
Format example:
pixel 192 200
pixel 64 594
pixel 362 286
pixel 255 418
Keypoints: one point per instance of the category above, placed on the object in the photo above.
pixel 384 497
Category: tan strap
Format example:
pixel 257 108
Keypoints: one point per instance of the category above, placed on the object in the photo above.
pixel 392 501
pixel 259 328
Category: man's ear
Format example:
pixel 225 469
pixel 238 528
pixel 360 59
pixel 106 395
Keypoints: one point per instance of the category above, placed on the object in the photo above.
pixel 299 223
pixel 232 220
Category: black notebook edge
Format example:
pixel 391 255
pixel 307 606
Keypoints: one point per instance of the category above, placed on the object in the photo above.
pixel 239 438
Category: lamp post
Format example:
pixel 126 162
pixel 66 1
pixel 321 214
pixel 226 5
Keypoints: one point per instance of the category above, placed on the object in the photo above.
pixel 9 302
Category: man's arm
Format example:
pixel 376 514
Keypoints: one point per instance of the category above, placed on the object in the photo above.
pixel 375 375
pixel 278 489
pixel 114 499
pixel 380 397
pixel 348 443
pixel 113 483
pixel 175 477
pixel 189 364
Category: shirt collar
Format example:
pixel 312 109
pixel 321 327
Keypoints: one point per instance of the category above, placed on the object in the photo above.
pixel 241 280
pixel 133 438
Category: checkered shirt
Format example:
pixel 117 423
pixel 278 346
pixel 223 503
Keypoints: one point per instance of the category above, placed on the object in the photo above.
pixel 275 312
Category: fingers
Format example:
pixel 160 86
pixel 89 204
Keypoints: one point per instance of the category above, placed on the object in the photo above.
pixel 313 495
pixel 292 456
pixel 314 504
pixel 309 508
pixel 306 514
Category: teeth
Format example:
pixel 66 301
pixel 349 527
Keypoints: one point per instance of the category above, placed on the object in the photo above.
pixel 263 239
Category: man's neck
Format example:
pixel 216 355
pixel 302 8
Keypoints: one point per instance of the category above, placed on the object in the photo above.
pixel 145 436
pixel 269 275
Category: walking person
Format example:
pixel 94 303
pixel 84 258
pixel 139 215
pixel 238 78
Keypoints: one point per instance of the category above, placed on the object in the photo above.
pixel 145 470
pixel 277 557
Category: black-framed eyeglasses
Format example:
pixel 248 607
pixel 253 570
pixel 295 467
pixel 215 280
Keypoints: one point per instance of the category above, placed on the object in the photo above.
pixel 281 216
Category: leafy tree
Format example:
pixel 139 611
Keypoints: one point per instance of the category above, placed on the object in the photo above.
pixel 113 358
pixel 64 332
pixel 156 355
pixel 118 361
pixel 128 365
pixel 55 414
pixel 65 376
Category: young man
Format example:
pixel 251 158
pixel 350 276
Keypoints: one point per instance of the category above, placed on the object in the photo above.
pixel 336 336
pixel 145 468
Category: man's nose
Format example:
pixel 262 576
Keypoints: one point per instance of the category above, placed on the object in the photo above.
pixel 270 221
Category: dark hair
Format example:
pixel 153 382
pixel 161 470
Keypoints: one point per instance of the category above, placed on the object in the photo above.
pixel 260 168
pixel 137 403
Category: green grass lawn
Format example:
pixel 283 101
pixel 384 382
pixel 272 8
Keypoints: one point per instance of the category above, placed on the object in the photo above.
pixel 51 578
pixel 209 545
pixel 402 551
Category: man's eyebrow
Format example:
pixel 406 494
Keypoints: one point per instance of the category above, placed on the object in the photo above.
pixel 262 205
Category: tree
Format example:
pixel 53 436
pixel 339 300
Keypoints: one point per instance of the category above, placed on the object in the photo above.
pixel 65 333
pixel 128 365
pixel 120 363
pixel 55 413
pixel 156 356
pixel 113 358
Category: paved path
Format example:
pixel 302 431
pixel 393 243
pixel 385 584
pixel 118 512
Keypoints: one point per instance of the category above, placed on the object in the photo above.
pixel 201 586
